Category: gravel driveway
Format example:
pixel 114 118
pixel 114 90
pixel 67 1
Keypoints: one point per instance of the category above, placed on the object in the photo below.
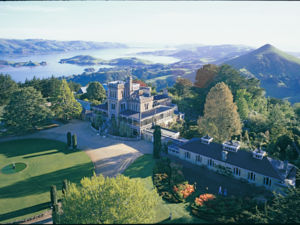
pixel 109 156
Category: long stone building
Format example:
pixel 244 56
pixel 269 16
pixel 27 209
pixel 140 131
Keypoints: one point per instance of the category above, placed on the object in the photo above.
pixel 254 167
pixel 130 103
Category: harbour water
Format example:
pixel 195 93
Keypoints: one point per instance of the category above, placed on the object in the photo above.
pixel 56 69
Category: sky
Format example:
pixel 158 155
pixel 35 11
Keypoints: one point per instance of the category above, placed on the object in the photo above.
pixel 158 22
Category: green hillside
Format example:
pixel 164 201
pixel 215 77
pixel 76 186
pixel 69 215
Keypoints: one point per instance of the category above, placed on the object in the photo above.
pixel 38 46
pixel 278 71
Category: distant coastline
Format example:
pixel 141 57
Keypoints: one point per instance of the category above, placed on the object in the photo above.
pixel 22 64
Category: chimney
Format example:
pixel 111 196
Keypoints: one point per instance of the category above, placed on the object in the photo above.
pixel 165 92
pixel 128 86
pixel 224 155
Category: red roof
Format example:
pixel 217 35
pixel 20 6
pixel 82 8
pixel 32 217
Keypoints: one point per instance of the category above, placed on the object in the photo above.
pixel 142 84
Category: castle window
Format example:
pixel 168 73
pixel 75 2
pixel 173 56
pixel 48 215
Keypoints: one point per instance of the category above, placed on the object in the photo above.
pixel 113 106
pixel 237 171
pixel 122 106
pixel 146 106
pixel 251 176
pixel 267 181
pixel 187 155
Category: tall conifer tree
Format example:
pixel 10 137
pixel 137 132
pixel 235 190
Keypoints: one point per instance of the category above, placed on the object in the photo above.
pixel 221 119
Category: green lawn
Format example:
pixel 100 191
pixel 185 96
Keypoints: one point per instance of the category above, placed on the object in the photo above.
pixel 142 169
pixel 26 193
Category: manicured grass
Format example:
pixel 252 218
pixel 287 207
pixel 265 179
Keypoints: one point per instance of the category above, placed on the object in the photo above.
pixel 27 192
pixel 11 168
pixel 142 169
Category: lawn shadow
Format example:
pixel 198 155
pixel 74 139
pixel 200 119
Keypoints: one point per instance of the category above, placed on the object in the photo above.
pixel 40 184
pixel 25 211
pixel 43 154
pixel 16 148
pixel 141 167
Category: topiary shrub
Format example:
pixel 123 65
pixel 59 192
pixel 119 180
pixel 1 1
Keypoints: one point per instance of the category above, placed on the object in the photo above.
pixel 74 140
pixel 69 139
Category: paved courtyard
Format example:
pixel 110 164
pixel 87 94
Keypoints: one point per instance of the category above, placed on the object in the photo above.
pixel 109 156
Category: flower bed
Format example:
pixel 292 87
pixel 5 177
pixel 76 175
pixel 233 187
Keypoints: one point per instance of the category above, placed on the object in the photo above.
pixel 204 198
pixel 182 191
pixel 166 176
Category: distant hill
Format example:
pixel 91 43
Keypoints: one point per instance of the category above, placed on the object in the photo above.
pixel 21 64
pixel 41 46
pixel 278 71
pixel 90 60
pixel 206 53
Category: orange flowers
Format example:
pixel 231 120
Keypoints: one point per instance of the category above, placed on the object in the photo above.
pixel 203 198
pixel 184 189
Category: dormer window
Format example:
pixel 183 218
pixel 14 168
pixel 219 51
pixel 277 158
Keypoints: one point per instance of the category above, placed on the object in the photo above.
pixel 206 139
pixel 232 146
pixel 258 154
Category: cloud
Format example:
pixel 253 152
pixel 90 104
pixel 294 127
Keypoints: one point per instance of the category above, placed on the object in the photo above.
pixel 31 8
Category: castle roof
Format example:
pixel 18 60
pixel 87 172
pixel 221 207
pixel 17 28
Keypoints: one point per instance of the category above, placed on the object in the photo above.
pixel 159 97
pixel 149 113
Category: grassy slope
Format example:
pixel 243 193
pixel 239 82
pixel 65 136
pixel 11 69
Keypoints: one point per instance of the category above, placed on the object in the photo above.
pixel 48 162
pixel 142 169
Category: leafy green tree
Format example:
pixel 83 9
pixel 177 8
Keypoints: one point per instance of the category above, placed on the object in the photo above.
pixel 221 119
pixel 7 87
pixel 69 139
pixel 298 179
pixel 74 141
pixel 53 195
pixel 243 100
pixel 115 200
pixel 285 209
pixel 296 107
pixel 64 105
pixel 26 110
pixel 156 142
pixel 182 86
pixel 95 91
pixel 74 86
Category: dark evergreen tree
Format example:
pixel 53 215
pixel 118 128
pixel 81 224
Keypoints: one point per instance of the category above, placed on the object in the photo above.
pixel 64 186
pixel 53 195
pixel 55 214
pixel 156 142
